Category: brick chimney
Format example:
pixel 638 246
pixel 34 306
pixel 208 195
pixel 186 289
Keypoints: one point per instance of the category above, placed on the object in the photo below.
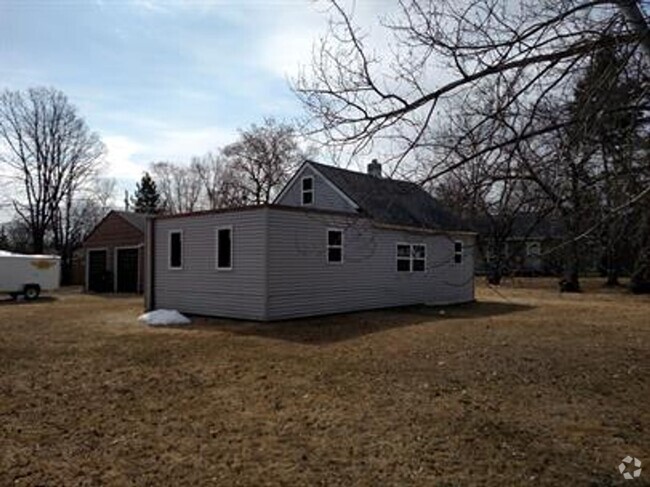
pixel 374 168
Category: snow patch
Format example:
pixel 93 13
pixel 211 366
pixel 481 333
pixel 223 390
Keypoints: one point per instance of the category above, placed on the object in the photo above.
pixel 164 317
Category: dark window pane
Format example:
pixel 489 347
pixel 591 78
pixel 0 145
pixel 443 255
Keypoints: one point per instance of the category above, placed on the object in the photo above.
pixel 224 246
pixel 403 265
pixel 307 198
pixel 334 237
pixel 458 246
pixel 419 251
pixel 418 265
pixel 403 250
pixel 175 254
pixel 307 184
pixel 334 255
pixel 458 258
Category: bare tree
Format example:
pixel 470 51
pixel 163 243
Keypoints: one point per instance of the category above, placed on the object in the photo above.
pixel 221 189
pixel 444 49
pixel 262 159
pixel 491 195
pixel 76 218
pixel 179 185
pixel 50 153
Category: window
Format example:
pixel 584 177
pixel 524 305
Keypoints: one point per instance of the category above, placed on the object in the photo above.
pixel 411 257
pixel 176 249
pixel 224 248
pixel 419 255
pixel 334 246
pixel 533 249
pixel 403 258
pixel 458 252
pixel 307 190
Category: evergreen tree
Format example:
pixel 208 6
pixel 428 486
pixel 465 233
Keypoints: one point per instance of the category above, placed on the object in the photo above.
pixel 147 198
pixel 4 238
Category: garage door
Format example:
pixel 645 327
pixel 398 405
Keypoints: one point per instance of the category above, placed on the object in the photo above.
pixel 97 275
pixel 127 270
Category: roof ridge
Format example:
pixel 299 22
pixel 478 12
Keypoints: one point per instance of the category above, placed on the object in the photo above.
pixel 359 173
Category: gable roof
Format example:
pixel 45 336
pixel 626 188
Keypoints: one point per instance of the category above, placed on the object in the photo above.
pixel 391 201
pixel 136 220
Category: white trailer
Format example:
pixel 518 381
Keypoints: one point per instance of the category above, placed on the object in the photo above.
pixel 28 275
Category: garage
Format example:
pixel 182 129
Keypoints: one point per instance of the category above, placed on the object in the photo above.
pixel 127 263
pixel 114 254
pixel 97 271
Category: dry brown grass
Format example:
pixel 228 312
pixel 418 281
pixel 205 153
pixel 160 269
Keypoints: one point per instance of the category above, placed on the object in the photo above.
pixel 524 387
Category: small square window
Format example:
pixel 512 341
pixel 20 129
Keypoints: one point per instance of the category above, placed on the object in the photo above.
pixel 533 249
pixel 334 255
pixel 404 265
pixel 334 237
pixel 403 251
pixel 411 257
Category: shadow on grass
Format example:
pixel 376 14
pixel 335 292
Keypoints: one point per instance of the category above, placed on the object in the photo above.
pixel 341 327
pixel 21 301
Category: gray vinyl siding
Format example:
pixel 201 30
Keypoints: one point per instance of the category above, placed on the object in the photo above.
pixel 199 288
pixel 302 283
pixel 325 197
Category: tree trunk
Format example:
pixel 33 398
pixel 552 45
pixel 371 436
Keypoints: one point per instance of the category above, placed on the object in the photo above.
pixel 38 241
pixel 570 282
pixel 640 279
pixel 612 270
pixel 612 278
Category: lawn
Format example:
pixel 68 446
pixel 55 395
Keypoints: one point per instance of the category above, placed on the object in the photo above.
pixel 526 386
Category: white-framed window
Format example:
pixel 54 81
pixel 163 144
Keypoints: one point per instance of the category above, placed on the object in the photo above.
pixel 411 257
pixel 458 252
pixel 334 246
pixel 307 186
pixel 175 243
pixel 224 248
pixel 533 249
pixel 419 256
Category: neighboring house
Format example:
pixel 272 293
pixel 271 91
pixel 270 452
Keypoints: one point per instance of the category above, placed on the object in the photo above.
pixel 528 248
pixel 333 241
pixel 114 254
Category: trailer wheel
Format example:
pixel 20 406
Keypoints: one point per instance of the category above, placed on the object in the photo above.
pixel 31 292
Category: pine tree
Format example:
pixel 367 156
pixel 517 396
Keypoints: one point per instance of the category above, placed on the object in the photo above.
pixel 146 198
pixel 4 238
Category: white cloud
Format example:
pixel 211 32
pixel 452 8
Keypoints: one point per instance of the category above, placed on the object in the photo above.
pixel 285 52
pixel 180 145
pixel 128 158
pixel 122 157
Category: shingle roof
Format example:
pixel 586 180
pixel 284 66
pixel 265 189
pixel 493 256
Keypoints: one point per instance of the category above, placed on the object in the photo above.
pixel 138 220
pixel 391 201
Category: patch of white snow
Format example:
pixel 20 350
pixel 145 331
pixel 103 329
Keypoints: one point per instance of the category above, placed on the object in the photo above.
pixel 164 317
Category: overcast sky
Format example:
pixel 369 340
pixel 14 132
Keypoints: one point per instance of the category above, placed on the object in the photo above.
pixel 162 80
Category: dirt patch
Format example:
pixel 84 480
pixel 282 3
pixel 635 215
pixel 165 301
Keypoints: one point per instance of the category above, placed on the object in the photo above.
pixel 525 386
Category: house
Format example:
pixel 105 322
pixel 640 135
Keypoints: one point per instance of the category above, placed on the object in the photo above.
pixel 114 254
pixel 333 241
pixel 524 246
